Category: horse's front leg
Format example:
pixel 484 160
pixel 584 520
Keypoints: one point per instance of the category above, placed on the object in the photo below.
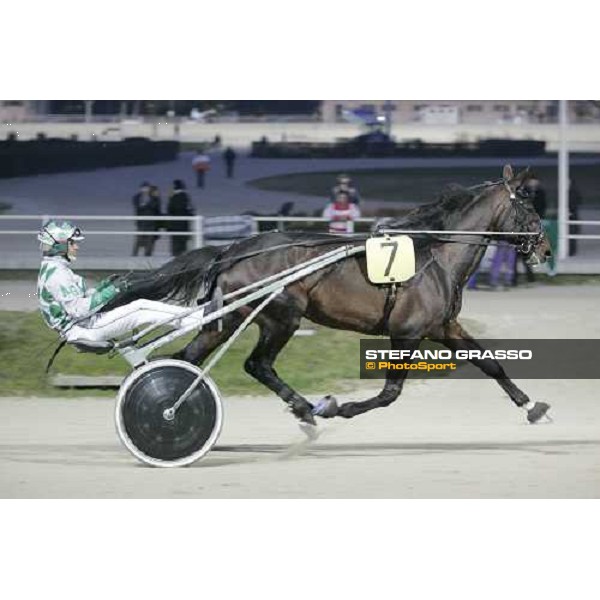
pixel 456 338
pixel 394 382
pixel 275 332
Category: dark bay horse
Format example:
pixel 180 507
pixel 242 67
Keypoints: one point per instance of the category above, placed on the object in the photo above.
pixel 341 296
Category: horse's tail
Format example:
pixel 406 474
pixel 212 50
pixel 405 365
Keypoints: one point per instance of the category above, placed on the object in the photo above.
pixel 181 280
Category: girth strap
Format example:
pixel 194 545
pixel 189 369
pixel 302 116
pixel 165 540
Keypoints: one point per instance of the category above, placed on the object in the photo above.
pixel 390 302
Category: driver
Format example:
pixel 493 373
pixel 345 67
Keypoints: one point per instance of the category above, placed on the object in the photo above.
pixel 71 309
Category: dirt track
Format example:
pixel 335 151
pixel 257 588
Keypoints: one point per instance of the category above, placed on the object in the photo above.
pixel 448 439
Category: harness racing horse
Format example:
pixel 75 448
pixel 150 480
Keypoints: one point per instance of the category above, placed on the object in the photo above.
pixel 342 297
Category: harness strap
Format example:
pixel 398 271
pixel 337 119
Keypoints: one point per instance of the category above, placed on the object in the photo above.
pixel 512 194
pixel 390 302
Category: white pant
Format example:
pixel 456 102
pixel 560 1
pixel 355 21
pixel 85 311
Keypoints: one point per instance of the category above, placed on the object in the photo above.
pixel 115 323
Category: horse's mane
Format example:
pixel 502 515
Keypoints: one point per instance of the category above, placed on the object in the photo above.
pixel 432 216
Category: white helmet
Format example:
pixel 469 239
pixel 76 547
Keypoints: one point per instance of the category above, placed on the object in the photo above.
pixel 56 235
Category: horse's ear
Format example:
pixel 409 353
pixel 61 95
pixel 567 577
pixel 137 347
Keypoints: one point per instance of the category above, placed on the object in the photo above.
pixel 524 176
pixel 507 173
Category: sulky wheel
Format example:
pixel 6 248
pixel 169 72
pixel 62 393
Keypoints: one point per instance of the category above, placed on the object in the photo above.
pixel 140 414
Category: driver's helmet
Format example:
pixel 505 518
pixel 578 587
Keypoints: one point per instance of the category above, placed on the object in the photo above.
pixel 56 235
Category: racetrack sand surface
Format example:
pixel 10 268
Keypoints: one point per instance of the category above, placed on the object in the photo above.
pixel 459 439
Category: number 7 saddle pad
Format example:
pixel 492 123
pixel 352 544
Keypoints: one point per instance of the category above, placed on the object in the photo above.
pixel 390 259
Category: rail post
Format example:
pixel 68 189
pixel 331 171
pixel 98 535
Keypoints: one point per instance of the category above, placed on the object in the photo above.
pixel 199 231
pixel 563 182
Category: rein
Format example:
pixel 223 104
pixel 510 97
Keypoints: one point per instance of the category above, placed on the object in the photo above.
pixel 437 236
pixel 362 238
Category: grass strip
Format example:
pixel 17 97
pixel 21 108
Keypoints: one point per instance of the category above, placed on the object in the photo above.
pixel 326 362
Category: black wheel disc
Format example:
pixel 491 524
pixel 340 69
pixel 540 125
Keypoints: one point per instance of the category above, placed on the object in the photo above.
pixel 143 407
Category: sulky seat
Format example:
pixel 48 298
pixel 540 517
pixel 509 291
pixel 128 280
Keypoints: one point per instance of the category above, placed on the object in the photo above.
pixel 92 346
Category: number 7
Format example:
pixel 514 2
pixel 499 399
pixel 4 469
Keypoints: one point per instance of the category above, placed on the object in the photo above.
pixel 394 246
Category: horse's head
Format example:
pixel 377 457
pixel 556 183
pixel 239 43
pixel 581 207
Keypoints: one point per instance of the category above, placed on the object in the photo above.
pixel 516 213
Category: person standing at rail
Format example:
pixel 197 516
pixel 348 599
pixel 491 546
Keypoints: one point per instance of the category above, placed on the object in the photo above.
pixel 179 206
pixel 503 266
pixel 157 212
pixel 341 214
pixel 146 203
pixel 344 184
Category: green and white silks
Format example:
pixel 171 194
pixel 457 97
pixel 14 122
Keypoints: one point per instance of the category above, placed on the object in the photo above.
pixel 64 297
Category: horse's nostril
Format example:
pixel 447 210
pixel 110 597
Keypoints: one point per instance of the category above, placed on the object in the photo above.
pixel 548 253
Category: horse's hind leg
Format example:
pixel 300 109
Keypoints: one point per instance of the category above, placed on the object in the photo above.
pixel 206 342
pixel 392 389
pixel 274 335
pixel 456 338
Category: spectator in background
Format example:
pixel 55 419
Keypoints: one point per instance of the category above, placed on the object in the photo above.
pixel 537 194
pixel 344 184
pixel 503 266
pixel 179 206
pixel 229 157
pixel 157 208
pixel 341 214
pixel 145 204
pixel 474 281
pixel 201 165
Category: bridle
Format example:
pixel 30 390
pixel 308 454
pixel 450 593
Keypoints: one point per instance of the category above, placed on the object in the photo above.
pixel 524 244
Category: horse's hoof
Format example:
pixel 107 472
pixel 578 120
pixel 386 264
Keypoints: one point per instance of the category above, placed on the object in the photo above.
pixel 307 418
pixel 302 410
pixel 327 408
pixel 537 412
pixel 310 431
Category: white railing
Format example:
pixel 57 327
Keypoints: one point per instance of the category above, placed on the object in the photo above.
pixel 197 224
pixel 281 220
pixel 579 236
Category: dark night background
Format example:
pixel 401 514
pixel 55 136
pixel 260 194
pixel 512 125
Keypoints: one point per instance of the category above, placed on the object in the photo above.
pixel 183 107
